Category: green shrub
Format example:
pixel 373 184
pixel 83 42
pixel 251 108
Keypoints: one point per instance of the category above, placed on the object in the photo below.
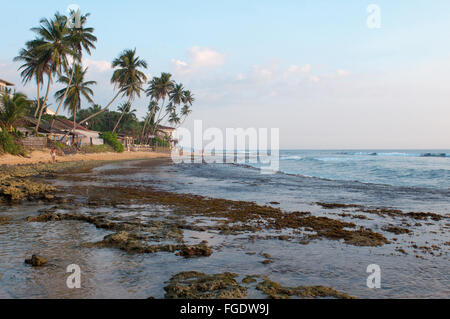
pixel 111 139
pixel 9 145
pixel 97 148
pixel 60 145
pixel 157 141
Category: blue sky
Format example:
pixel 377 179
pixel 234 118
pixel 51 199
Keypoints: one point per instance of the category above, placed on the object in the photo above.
pixel 312 68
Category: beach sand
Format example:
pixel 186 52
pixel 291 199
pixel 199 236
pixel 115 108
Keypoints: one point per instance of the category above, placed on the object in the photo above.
pixel 44 157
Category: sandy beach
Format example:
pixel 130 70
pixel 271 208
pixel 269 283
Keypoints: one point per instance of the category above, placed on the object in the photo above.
pixel 37 157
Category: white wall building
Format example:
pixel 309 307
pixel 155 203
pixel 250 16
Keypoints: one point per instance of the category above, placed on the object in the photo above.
pixel 5 86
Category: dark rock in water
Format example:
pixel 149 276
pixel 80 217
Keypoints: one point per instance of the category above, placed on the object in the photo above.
pixel 434 155
pixel 276 291
pixel 337 205
pixel 36 261
pixel 196 285
pixel 396 230
pixel 4 220
pixel 274 203
pixel 195 251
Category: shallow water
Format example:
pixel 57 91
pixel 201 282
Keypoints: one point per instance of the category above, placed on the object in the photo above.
pixel 111 273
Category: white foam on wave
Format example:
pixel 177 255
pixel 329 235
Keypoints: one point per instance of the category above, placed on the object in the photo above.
pixel 292 157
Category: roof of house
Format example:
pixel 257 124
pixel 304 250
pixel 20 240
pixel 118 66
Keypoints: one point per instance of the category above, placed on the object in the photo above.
pixel 7 83
pixel 44 127
pixel 162 127
pixel 49 111
pixel 87 133
pixel 64 124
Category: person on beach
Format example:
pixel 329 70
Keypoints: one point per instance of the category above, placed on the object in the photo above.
pixel 53 154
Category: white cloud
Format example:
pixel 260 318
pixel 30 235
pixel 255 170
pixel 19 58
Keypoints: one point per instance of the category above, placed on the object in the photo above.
pixel 179 63
pixel 205 57
pixel 263 74
pixel 314 79
pixel 296 69
pixel 98 65
pixel 199 58
pixel 341 72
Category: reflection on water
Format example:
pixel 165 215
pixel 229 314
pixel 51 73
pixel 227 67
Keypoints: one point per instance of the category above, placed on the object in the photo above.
pixel 111 273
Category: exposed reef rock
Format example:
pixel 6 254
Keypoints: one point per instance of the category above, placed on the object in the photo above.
pixel 36 261
pixel 274 290
pixel 197 285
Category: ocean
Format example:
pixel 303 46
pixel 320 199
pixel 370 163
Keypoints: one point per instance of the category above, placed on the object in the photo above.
pixel 404 179
pixel 421 168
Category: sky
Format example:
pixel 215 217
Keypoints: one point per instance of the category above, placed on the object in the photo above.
pixel 313 69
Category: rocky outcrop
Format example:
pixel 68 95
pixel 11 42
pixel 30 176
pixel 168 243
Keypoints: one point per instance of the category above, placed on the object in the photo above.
pixel 197 285
pixel 36 261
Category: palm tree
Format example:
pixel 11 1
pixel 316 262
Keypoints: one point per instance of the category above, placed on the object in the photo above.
pixel 79 38
pixel 13 108
pixel 33 67
pixel 173 118
pixel 52 47
pixel 159 89
pixel 177 94
pixel 127 77
pixel 75 88
pixel 153 107
pixel 124 108
pixel 188 97
pixel 185 111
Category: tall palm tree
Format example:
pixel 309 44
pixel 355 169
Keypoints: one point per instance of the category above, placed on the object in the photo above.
pixel 12 109
pixel 160 88
pixel 188 97
pixel 124 108
pixel 185 111
pixel 53 47
pixel 173 118
pixel 76 87
pixel 33 67
pixel 80 38
pixel 127 77
pixel 177 94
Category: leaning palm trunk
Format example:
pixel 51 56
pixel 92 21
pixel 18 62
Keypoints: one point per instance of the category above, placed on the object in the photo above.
pixel 153 130
pixel 152 113
pixel 97 113
pixel 117 124
pixel 38 99
pixel 36 130
pixel 155 127
pixel 143 129
pixel 149 117
pixel 101 111
pixel 64 96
